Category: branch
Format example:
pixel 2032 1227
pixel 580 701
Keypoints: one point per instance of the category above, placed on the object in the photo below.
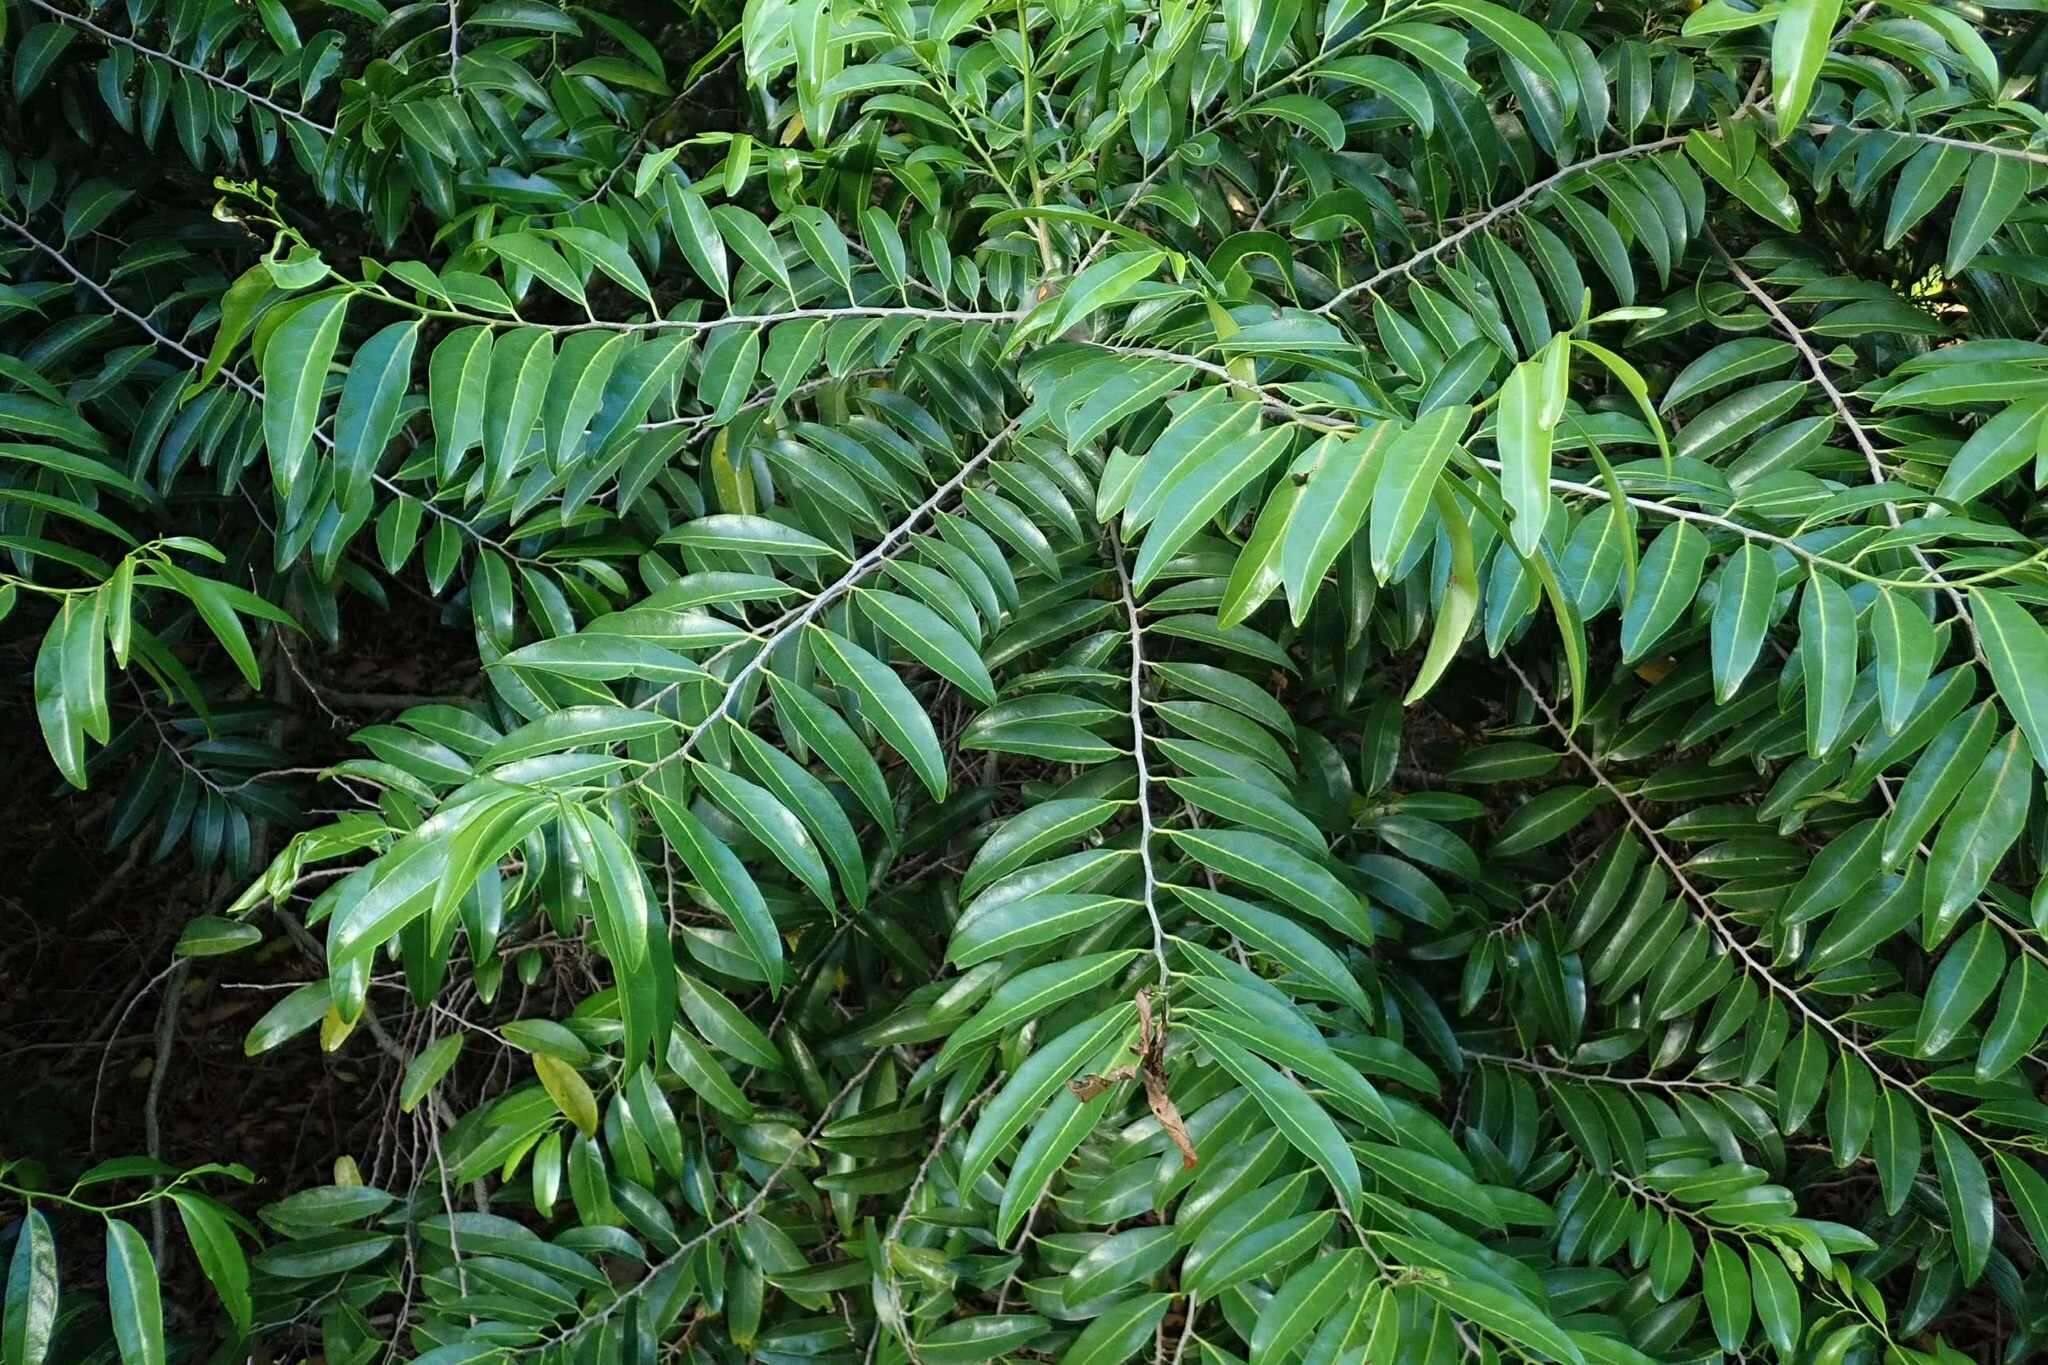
pixel 1819 369
pixel 1713 918
pixel 172 344
pixel 733 1219
pixel 796 620
pixel 1500 211
pixel 123 40
pixel 1145 829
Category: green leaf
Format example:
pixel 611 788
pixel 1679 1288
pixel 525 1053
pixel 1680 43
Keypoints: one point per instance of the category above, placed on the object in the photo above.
pixel 1307 113
pixel 1510 1318
pixel 1032 1083
pixel 1992 188
pixel 966 1341
pixel 1750 178
pixel 575 389
pixel 1119 1332
pixel 30 1315
pixel 132 1296
pixel 1339 493
pixel 1299 1306
pixel 731 360
pixel 372 399
pixel 1987 819
pixel 1799 44
pixel 991 930
pixel 219 1254
pixel 1279 938
pixel 1725 1283
pixel 771 824
pixel 726 880
pixel 931 640
pixel 2029 1194
pixel 1922 187
pixel 1407 479
pixel 1099 287
pixel 1967 976
pixel 1903 654
pixel 1748 589
pixel 295 364
pixel 2018 1022
pixel 887 705
pixel 1971 1217
pixel 1281 872
pixel 574 727
pixel 1202 492
pixel 458 375
pixel 1300 1119
pixel 1031 995
pixel 1827 650
pixel 1431 1180
pixel 522 362
pixel 1666 583
pixel 1777 1297
pixel 426 1069
pixel 2016 650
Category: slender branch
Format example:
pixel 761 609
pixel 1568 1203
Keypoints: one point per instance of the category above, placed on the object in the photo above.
pixel 731 1220
pixel 1938 139
pixel 123 40
pixel 1705 907
pixel 1500 211
pixel 647 130
pixel 1281 407
pixel 1145 829
pixel 700 325
pixel 1819 370
pixel 796 620
pixel 454 46
pixel 1594 1078
pixel 177 347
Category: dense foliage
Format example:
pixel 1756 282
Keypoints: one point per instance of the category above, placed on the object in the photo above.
pixel 1247 681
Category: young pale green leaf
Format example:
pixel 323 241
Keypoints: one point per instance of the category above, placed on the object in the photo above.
pixel 1407 479
pixel 1334 506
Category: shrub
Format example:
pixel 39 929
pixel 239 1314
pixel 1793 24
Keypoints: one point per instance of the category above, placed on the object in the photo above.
pixel 1253 681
